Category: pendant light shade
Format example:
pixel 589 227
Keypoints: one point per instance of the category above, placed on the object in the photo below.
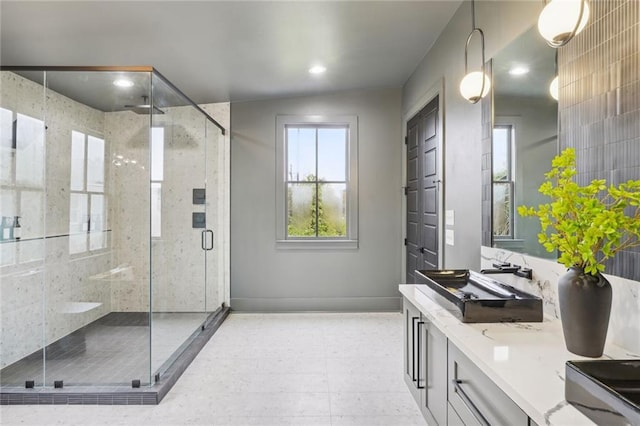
pixel 553 88
pixel 471 86
pixel 476 84
pixel 561 20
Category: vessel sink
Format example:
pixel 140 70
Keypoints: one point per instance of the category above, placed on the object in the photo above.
pixel 474 297
pixel 606 391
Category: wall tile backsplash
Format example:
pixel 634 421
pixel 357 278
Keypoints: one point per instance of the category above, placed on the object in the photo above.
pixel 599 74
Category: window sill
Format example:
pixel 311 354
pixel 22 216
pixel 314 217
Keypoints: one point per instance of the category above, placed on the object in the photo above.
pixel 317 244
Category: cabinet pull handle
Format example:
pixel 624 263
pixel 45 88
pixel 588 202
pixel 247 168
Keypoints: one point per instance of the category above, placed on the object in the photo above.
pixel 413 347
pixel 419 358
pixel 470 405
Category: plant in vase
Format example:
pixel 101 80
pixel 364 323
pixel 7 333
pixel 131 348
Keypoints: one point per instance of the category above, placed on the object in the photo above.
pixel 587 225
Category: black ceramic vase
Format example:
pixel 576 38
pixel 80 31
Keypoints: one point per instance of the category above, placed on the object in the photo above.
pixel 585 305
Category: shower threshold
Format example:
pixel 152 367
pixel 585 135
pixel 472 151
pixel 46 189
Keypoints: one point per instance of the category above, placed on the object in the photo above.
pixel 165 378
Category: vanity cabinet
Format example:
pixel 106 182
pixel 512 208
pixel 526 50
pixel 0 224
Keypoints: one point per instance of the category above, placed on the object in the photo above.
pixel 425 364
pixel 475 398
pixel 447 386
pixel 412 318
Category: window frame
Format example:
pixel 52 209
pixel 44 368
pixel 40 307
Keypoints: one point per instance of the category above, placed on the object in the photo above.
pixel 90 195
pixel 351 179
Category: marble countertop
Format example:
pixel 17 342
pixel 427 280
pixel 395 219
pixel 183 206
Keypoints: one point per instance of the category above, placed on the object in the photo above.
pixel 526 360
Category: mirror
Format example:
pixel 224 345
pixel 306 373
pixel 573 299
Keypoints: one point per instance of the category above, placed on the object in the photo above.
pixel 524 140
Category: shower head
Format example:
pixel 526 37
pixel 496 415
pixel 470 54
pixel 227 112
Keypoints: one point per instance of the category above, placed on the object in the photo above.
pixel 144 108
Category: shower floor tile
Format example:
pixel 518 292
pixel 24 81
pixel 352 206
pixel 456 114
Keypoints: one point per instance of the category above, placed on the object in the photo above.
pixel 113 350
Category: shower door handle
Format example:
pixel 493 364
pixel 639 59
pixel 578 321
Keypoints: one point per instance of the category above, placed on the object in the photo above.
pixel 203 240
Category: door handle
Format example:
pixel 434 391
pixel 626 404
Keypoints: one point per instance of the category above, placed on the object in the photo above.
pixel 422 250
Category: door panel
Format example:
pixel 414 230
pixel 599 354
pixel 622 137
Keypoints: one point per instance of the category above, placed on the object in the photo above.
pixel 430 166
pixel 430 238
pixel 430 202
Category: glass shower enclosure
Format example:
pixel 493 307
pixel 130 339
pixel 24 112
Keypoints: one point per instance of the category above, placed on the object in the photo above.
pixel 110 225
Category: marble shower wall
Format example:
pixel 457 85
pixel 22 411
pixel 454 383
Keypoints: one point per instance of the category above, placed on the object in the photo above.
pixel 36 269
pixel 128 134
pixel 193 157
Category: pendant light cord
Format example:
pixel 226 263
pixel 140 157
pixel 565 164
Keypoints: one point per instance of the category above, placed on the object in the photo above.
pixel 473 15
pixel 474 29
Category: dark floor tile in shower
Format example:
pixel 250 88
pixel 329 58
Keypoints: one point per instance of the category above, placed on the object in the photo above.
pixel 112 350
pixel 125 319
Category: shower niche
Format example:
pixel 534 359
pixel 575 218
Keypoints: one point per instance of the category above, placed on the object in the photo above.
pixel 105 283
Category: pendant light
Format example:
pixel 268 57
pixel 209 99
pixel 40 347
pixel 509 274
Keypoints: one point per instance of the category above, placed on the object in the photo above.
pixel 561 20
pixel 475 85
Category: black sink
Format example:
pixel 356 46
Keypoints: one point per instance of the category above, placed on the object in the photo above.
pixel 474 297
pixel 606 391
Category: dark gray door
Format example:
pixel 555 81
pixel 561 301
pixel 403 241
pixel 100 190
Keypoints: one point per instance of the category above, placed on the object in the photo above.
pixel 423 186
pixel 411 191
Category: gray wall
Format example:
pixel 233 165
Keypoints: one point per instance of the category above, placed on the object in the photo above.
pixel 501 22
pixel 264 278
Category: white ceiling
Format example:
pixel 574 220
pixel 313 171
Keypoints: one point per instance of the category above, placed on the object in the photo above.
pixel 218 51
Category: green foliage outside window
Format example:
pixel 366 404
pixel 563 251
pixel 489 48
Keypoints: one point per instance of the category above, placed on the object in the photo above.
pixel 319 218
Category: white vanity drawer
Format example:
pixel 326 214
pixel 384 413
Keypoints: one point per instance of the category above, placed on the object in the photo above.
pixel 475 398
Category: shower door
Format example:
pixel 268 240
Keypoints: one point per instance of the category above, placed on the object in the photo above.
pixel 180 238
pixel 22 249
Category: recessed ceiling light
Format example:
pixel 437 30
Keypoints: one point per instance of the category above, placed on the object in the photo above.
pixel 519 70
pixel 317 69
pixel 123 82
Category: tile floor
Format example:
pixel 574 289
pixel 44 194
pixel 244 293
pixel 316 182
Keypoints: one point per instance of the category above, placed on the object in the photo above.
pixel 273 369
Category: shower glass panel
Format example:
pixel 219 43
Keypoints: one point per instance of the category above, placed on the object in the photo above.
pixel 178 222
pixel 214 210
pixel 111 174
pixel 22 249
pixel 97 282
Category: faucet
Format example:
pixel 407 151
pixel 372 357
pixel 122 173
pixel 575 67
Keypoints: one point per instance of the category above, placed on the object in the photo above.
pixel 508 268
pixel 501 268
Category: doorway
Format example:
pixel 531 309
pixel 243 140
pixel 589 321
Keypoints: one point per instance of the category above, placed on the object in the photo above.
pixel 423 191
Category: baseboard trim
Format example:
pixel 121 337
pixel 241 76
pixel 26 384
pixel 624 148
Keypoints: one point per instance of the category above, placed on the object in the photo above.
pixel 317 304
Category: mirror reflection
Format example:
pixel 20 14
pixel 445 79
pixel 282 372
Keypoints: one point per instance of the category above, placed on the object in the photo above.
pixel 525 138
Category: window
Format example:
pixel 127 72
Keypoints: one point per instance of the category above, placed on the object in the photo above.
pixel 317 181
pixel 22 140
pixel 157 176
pixel 87 207
pixel 502 182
